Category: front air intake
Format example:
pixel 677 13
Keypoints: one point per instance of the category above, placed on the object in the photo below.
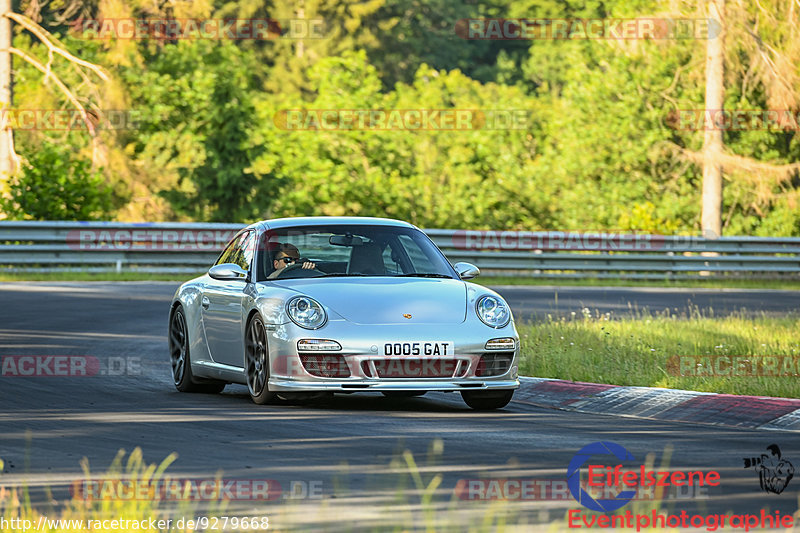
pixel 325 365
pixel 494 364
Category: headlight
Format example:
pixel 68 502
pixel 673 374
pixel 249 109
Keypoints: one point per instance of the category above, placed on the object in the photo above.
pixel 493 311
pixel 306 312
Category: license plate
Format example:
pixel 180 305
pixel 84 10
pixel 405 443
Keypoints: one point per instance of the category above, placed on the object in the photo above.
pixel 427 349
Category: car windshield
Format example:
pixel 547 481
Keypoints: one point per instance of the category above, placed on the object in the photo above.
pixel 350 250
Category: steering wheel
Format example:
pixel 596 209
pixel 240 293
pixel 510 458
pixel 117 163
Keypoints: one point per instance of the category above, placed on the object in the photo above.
pixel 296 270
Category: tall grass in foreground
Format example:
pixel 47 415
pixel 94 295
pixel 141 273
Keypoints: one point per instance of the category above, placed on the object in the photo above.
pixel 406 496
pixel 15 503
pixel 636 351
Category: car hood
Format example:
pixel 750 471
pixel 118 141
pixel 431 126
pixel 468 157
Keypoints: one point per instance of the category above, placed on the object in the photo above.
pixel 386 300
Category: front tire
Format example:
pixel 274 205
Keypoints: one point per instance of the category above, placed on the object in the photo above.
pixel 487 400
pixel 256 361
pixel 181 360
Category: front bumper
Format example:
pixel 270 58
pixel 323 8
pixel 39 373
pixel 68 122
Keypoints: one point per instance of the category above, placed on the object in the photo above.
pixel 349 385
pixel 360 350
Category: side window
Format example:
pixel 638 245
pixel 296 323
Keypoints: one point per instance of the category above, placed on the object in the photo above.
pixel 247 250
pixel 223 257
pixel 239 251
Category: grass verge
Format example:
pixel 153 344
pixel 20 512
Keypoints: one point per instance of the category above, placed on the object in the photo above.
pixel 664 350
pixel 733 283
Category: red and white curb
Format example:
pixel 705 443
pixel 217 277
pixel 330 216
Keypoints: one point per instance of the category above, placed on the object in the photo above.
pixel 756 412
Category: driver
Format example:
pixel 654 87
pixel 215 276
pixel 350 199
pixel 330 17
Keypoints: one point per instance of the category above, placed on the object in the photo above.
pixel 285 255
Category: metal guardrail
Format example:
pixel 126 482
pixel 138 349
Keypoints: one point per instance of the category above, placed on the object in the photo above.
pixel 191 247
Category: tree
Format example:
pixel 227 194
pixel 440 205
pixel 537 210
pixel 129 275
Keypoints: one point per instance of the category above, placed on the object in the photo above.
pixel 455 178
pixel 713 145
pixel 759 53
pixel 197 129
pixel 6 136
pixel 55 185
pixel 8 157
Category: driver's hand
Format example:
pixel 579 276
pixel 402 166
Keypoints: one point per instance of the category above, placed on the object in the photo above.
pixel 309 264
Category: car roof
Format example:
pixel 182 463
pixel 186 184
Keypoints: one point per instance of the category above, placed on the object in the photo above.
pixel 277 223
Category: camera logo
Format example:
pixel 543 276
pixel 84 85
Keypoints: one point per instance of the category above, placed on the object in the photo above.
pixel 774 472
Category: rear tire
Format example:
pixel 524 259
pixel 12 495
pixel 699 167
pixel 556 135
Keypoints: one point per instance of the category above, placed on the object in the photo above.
pixel 487 400
pixel 256 361
pixel 181 360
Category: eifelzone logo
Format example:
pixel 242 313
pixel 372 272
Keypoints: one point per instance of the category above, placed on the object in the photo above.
pixel 602 477
pixel 774 472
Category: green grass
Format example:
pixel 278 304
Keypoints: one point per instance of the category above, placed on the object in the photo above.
pixel 637 351
pixel 405 495
pixel 408 494
pixel 15 504
pixel 730 283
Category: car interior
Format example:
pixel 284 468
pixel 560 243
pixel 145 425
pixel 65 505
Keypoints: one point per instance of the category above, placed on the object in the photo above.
pixel 366 258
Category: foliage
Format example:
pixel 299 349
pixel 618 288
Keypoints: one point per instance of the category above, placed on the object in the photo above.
pixel 54 184
pixel 85 511
pixel 599 149
pixel 420 176
pixel 196 128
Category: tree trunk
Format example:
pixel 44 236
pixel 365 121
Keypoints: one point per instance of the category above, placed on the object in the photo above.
pixel 6 97
pixel 712 142
pixel 300 44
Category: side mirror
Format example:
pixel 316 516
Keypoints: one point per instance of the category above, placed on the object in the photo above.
pixel 227 272
pixel 467 270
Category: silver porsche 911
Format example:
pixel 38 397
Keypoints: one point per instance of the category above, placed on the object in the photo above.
pixel 304 307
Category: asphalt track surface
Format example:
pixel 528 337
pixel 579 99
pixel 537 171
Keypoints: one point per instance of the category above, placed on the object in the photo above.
pixel 346 450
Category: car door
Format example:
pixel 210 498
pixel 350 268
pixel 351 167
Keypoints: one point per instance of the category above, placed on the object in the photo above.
pixel 222 305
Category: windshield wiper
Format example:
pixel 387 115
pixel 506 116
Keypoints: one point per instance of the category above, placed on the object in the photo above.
pixel 343 275
pixel 422 275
